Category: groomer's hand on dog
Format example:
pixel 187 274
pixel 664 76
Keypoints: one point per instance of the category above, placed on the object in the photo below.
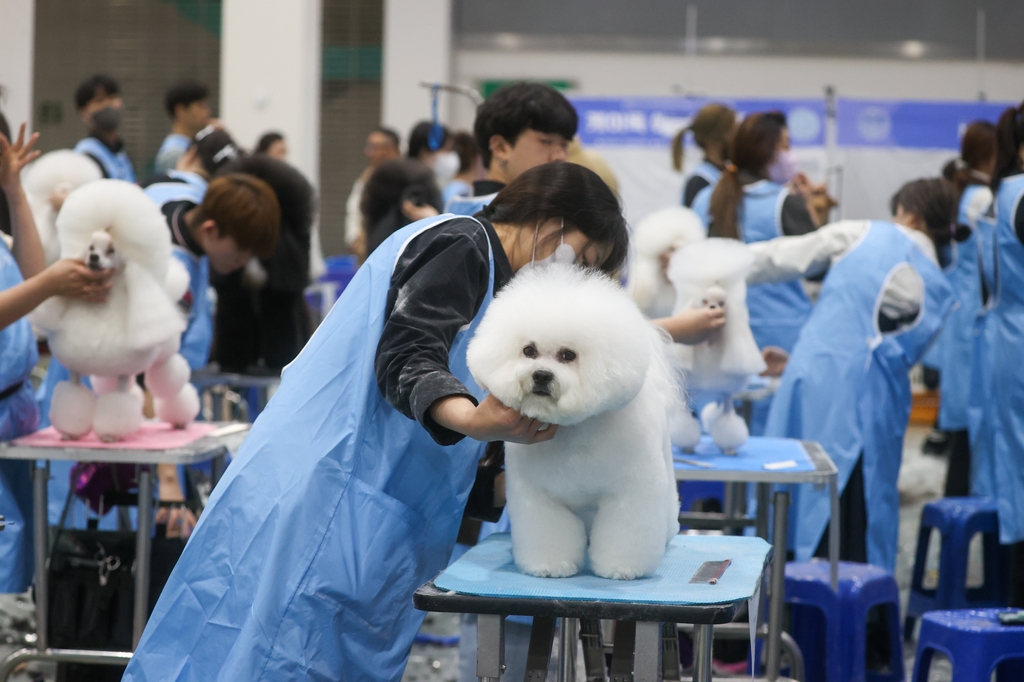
pixel 694 325
pixel 490 421
pixel 73 278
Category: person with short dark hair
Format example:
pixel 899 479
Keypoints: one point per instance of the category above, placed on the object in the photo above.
pixel 520 126
pixel 99 104
pixel 382 144
pixel 399 192
pixel 273 145
pixel 188 104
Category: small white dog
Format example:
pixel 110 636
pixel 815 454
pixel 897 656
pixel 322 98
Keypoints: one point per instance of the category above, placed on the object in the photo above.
pixel 113 224
pixel 569 347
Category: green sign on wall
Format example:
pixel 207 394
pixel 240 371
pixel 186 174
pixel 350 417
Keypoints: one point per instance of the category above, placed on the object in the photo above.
pixel 488 87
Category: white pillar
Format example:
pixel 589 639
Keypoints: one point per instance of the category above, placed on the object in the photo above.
pixel 270 75
pixel 17 42
pixel 417 48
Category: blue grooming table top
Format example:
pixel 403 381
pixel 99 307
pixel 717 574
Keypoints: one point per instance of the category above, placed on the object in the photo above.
pixel 488 570
pixel 752 456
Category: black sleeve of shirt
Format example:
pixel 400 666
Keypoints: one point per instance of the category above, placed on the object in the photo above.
pixel 796 219
pixel 103 168
pixel 693 187
pixel 438 286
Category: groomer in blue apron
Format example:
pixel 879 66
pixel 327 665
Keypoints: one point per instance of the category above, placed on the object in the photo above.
pixel 98 101
pixel 520 126
pixel 1007 399
pixel 752 202
pixel 348 493
pixel 846 385
pixel 712 127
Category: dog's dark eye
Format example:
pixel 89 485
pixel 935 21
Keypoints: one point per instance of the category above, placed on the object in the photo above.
pixel 530 351
pixel 110 251
pixel 566 355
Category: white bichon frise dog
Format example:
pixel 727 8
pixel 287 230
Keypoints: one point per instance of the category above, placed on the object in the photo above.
pixel 712 274
pixel 655 239
pixel 47 182
pixel 569 347
pixel 113 224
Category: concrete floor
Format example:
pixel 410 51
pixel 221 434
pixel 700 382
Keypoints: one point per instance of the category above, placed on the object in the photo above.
pixel 921 480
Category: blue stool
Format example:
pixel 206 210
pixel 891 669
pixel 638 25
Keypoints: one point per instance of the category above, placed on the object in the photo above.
pixel 958 519
pixel 976 644
pixel 832 628
pixel 691 492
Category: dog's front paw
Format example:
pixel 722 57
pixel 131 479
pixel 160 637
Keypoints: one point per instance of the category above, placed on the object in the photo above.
pixel 554 569
pixel 621 572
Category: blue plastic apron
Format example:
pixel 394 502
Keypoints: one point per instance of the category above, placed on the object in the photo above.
pixel 1007 399
pixel 847 386
pixel 956 341
pixel 709 172
pixel 468 205
pixel 336 509
pixel 116 166
pixel 18 416
pixel 979 408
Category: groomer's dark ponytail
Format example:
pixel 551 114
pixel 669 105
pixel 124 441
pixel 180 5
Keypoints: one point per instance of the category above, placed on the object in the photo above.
pixel 1009 139
pixel 977 148
pixel 932 201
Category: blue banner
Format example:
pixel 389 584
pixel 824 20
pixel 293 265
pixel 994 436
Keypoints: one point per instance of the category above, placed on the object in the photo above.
pixel 912 125
pixel 654 121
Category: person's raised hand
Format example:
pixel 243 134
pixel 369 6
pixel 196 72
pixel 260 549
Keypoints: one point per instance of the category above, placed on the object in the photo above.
pixel 14 156
pixel 490 421
pixel 73 278
pixel 776 358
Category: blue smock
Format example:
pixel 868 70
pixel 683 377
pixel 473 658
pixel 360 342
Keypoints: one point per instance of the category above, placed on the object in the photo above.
pixel 18 416
pixel 468 205
pixel 116 166
pixel 955 343
pixel 455 188
pixel 847 387
pixel 777 310
pixel 979 407
pixel 171 149
pixel 1007 399
pixel 198 335
pixel 710 173
pixel 335 510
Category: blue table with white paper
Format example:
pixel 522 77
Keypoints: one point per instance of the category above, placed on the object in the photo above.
pixel 703 580
pixel 765 462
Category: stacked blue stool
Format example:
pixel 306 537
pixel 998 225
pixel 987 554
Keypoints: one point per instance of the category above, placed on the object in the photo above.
pixel 976 644
pixel 832 627
pixel 958 519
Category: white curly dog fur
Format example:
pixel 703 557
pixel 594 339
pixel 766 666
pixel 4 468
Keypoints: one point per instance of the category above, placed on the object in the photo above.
pixel 570 347
pixel 111 223
pixel 47 182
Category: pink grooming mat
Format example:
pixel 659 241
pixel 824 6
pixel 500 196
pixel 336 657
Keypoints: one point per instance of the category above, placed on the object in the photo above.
pixel 152 436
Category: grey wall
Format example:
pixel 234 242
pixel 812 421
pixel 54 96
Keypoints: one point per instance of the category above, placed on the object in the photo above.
pixel 838 27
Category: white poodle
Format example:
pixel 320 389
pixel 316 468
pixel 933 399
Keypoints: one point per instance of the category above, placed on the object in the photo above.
pixel 47 182
pixel 113 224
pixel 655 239
pixel 570 347
pixel 712 274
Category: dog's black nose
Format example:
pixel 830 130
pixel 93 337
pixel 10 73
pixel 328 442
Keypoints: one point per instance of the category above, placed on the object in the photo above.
pixel 542 377
pixel 94 258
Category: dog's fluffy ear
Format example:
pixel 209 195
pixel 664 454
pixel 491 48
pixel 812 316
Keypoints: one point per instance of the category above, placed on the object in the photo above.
pixel 62 169
pixel 135 223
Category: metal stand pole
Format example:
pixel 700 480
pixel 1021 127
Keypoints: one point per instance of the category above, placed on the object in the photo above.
pixel 40 514
pixel 833 534
pixel 567 650
pixel 703 637
pixel 490 647
pixel 647 652
pixel 143 546
pixel 778 584
pixel 761 529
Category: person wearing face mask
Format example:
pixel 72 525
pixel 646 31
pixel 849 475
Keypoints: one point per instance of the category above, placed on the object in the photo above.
pixel 98 101
pixel 464 145
pixel 435 154
pixel 520 126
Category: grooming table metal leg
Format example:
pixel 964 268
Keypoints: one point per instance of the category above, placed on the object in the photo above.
pixel 778 584
pixel 593 650
pixel 490 647
pixel 647 653
pixel 567 639
pixel 621 669
pixel 40 480
pixel 703 638
pixel 143 547
pixel 669 652
pixel 833 533
pixel 539 655
pixel 763 500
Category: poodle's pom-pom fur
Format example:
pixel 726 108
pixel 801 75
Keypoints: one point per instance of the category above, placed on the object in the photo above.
pixel 684 429
pixel 47 182
pixel 176 284
pixel 180 410
pixel 117 415
pixel 103 385
pixel 710 414
pixel 729 432
pixel 655 237
pixel 71 409
pixel 166 379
